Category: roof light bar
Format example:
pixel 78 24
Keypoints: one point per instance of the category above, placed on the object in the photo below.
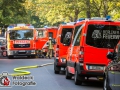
pixel 12 26
pixel 70 23
pixel 98 18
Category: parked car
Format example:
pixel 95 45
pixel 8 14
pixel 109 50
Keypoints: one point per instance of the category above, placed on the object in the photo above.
pixel 63 41
pixel 90 43
pixel 112 71
pixel 2 45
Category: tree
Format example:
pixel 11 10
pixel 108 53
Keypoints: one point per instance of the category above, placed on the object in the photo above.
pixel 12 11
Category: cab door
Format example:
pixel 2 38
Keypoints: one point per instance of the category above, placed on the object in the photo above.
pixel 111 76
pixel 75 48
pixel 117 77
pixel 117 72
pixel 114 76
pixel 63 42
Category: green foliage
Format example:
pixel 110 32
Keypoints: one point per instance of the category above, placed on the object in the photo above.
pixel 53 12
pixel 12 11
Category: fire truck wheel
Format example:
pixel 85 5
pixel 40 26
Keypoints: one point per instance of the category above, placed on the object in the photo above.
pixel 33 56
pixel 56 72
pixel 76 78
pixel 10 57
pixel 56 69
pixel 67 74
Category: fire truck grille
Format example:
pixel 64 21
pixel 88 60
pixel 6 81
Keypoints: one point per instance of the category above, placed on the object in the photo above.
pixel 21 52
pixel 21 45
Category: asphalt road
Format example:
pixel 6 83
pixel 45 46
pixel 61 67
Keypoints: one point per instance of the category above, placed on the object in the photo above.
pixel 44 77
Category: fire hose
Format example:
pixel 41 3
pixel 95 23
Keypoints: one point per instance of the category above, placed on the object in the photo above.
pixel 20 71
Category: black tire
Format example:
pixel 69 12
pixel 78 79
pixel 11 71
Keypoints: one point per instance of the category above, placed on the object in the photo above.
pixel 10 57
pixel 33 56
pixel 56 72
pixel 67 74
pixel 76 78
pixel 56 69
pixel 105 85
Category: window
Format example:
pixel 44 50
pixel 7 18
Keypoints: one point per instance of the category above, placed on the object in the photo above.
pixel 51 34
pixel 103 36
pixel 65 32
pixel 21 34
pixel 2 42
pixel 75 31
pixel 115 67
pixel 41 33
pixel 77 41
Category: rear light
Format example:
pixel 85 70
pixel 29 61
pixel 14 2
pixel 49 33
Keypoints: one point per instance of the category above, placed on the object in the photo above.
pixel 58 46
pixel 57 51
pixel 81 55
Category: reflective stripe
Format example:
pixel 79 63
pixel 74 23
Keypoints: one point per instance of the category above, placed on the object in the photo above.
pixel 57 57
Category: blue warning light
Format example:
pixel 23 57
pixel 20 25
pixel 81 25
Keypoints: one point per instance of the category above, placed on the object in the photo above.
pixel 11 27
pixel 108 17
pixel 80 19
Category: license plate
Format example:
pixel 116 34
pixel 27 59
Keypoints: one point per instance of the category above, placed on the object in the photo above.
pixel 22 51
pixel 96 68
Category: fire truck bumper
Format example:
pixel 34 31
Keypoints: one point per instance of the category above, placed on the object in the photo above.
pixel 21 52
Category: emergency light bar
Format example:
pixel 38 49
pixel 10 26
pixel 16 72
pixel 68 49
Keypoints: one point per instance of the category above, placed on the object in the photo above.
pixel 70 23
pixel 18 25
pixel 97 18
pixel 94 18
pixel 13 26
pixel 32 27
pixel 22 24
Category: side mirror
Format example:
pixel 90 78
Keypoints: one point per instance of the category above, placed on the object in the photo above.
pixel 110 55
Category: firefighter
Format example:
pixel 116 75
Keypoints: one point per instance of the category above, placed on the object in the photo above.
pixel 50 48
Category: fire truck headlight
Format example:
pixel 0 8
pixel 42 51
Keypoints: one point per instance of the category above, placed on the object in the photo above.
pixel 10 52
pixel 32 51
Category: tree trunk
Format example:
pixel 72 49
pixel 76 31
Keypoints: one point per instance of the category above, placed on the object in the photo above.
pixel 105 12
pixel 76 14
pixel 88 13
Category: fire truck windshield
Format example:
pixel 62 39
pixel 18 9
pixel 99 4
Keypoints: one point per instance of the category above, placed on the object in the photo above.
pixel 21 34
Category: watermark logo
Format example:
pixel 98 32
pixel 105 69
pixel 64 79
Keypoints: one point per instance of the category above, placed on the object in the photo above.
pixel 23 81
pixel 96 34
pixel 6 80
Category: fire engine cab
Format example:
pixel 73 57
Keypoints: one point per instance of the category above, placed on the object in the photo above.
pixel 21 40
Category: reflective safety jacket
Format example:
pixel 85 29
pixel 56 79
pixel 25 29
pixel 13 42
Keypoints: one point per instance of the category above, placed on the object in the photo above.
pixel 50 45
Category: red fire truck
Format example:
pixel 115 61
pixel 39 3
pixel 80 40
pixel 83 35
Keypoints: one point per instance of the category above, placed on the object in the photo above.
pixel 21 40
